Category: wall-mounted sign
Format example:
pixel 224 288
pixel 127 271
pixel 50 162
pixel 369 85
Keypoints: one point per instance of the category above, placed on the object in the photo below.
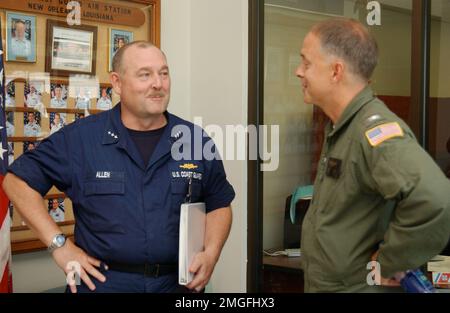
pixel 100 12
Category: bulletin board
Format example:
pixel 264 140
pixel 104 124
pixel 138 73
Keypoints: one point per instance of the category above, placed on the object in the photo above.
pixel 63 76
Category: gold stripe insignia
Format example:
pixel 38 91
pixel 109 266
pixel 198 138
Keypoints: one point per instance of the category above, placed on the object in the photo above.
pixel 188 166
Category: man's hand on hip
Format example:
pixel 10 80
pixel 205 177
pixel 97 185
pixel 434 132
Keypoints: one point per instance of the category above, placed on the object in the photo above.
pixel 88 265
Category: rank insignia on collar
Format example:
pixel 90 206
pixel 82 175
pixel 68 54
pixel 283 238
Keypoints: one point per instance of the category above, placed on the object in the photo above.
pixel 188 166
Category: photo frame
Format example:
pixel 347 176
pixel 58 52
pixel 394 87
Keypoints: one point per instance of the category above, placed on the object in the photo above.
pixel 154 10
pixel 33 91
pixel 10 93
pixel 32 124
pixel 20 37
pixel 70 49
pixel 56 209
pixel 104 100
pixel 117 38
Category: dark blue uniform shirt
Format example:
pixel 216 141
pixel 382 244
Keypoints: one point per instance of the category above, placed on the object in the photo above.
pixel 124 211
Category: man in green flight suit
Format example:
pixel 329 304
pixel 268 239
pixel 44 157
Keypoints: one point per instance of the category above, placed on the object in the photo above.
pixel 377 195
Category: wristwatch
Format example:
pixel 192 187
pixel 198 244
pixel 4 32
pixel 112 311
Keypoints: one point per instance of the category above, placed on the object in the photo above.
pixel 58 241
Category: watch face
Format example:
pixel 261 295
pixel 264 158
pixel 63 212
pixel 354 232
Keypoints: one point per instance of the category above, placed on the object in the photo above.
pixel 60 240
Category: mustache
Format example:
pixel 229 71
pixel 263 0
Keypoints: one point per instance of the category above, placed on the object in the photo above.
pixel 156 94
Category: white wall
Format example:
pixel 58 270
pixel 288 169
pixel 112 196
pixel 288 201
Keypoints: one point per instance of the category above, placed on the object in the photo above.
pixel 206 44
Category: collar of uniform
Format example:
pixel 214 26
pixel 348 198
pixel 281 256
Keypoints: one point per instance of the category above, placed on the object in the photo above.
pixel 113 128
pixel 362 98
pixel 116 133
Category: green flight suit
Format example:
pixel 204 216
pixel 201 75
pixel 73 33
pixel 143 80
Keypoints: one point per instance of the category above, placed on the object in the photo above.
pixel 391 196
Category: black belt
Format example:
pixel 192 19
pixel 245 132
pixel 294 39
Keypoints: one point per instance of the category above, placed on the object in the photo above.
pixel 148 270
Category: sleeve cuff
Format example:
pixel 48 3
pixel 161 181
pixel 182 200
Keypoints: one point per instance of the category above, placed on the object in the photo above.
pixel 28 180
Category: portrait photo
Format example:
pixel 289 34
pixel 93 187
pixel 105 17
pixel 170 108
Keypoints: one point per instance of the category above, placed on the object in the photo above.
pixel 30 145
pixel 10 130
pixel 32 124
pixel 104 101
pixel 79 116
pixel 20 37
pixel 10 153
pixel 56 122
pixel 58 94
pixel 33 94
pixel 10 94
pixel 117 39
pixel 56 209
pixel 83 98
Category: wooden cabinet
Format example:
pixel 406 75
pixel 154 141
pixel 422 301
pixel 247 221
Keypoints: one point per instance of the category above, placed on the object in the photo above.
pixel 282 274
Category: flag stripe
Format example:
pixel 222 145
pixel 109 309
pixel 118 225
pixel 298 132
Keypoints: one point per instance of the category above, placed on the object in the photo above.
pixel 5 223
pixel 5 245
pixel 4 280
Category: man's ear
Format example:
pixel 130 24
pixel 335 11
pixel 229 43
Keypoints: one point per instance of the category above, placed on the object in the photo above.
pixel 115 81
pixel 338 69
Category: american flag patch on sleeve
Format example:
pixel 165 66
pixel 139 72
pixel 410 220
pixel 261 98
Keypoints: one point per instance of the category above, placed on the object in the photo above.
pixel 381 133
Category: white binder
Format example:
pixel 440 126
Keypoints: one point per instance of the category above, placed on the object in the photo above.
pixel 192 238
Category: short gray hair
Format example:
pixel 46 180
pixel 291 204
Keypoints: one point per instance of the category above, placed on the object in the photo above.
pixel 351 41
pixel 118 57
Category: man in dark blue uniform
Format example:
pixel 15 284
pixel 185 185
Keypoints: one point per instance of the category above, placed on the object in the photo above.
pixel 126 186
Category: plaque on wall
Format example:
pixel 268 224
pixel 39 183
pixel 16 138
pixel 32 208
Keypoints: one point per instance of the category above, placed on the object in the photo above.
pixel 70 49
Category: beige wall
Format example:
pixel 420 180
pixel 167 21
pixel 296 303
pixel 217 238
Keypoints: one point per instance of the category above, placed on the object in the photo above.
pixel 440 81
pixel 206 45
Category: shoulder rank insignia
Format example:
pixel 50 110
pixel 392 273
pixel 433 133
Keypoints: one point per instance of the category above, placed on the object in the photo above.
pixel 372 119
pixel 383 132
pixel 188 166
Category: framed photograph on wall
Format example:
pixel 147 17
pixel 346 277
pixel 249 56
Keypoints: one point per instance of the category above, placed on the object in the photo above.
pixel 154 7
pixel 33 91
pixel 20 37
pixel 117 39
pixel 10 93
pixel 70 49
pixel 56 209
pixel 104 101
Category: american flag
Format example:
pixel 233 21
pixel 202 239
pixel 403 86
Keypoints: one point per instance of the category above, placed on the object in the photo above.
pixel 5 221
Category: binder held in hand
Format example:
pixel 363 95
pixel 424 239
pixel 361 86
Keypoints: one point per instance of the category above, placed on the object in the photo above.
pixel 192 237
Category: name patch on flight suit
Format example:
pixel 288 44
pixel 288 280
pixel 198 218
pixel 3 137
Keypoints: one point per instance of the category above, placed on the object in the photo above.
pixel 334 168
pixel 381 133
